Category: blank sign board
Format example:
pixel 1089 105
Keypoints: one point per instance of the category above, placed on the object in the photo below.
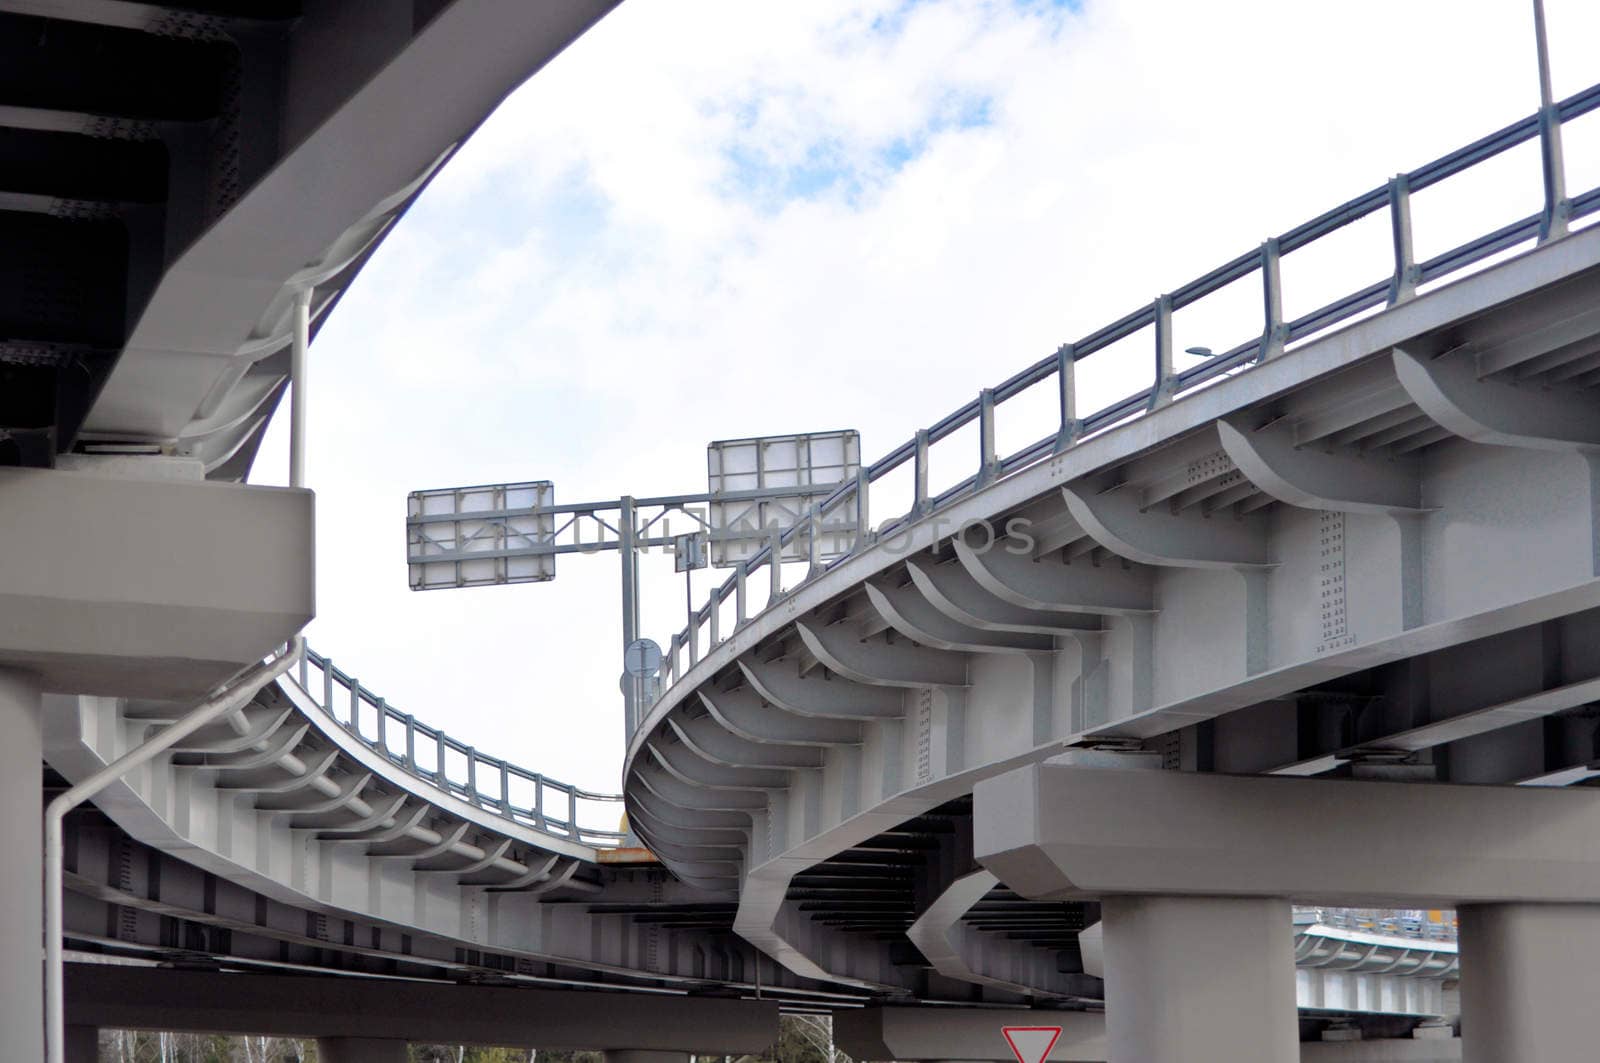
pixel 480 536
pixel 740 527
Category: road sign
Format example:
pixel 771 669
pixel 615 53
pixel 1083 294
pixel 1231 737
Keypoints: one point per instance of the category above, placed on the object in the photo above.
pixel 480 536
pixel 1031 1044
pixel 512 533
pixel 647 687
pixel 789 473
pixel 641 657
pixel 688 552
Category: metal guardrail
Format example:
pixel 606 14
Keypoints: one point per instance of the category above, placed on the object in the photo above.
pixel 1414 925
pixel 448 764
pixel 848 503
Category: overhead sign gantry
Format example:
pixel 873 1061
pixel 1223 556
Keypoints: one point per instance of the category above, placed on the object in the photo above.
pixel 757 489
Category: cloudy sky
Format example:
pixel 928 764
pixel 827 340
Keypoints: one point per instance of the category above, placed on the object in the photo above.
pixel 711 219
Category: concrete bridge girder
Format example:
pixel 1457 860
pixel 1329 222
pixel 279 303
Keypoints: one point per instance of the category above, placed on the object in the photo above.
pixel 1516 862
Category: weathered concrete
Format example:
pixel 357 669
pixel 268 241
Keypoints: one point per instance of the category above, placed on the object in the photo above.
pixel 1323 840
pixel 1199 978
pixel 1527 982
pixel 360 1008
pixel 148 587
pixel 21 900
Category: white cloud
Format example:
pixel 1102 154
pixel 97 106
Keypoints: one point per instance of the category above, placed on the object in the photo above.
pixel 594 288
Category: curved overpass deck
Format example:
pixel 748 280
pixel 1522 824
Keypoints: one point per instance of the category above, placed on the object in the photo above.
pixel 1233 577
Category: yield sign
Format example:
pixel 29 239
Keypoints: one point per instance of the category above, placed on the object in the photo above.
pixel 1031 1044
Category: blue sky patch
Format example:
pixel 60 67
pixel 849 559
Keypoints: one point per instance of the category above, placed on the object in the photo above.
pixel 827 167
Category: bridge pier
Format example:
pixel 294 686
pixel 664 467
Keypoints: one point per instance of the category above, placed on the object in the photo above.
pixel 22 870
pixel 360 1050
pixel 1527 980
pixel 1199 978
pixel 1520 863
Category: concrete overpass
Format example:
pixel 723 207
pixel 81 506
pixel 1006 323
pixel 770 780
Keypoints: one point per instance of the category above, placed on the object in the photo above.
pixel 1015 757
pixel 1303 621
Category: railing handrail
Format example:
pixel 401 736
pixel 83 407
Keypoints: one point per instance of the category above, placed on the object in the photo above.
pixel 1276 333
pixel 477 765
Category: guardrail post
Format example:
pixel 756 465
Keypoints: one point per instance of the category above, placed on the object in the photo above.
pixel 813 552
pixel 1166 383
pixel 1553 218
pixel 1067 385
pixel 716 617
pixel 383 727
pixel 920 504
pixel 439 745
pixel 505 789
pixel 305 669
pixel 538 800
pixel 693 633
pixel 775 567
pixel 741 597
pixel 355 705
pixel 411 743
pixel 988 460
pixel 472 774
pixel 1404 284
pixel 1273 333
pixel 327 685
pixel 863 521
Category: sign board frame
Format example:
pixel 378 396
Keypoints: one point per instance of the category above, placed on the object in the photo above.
pixel 483 536
pixel 812 463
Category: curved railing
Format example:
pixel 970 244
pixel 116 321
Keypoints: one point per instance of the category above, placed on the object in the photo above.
pixel 495 785
pixel 1418 926
pixel 845 510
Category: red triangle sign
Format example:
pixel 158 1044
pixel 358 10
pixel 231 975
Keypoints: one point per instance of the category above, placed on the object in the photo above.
pixel 1031 1044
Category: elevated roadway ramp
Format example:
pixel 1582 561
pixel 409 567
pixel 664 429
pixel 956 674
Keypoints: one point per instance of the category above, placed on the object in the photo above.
pixel 320 829
pixel 1361 544
pixel 180 175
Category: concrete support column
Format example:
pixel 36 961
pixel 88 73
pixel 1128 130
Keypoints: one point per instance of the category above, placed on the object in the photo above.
pixel 1199 978
pixel 360 1050
pixel 22 870
pixel 82 1044
pixel 634 1055
pixel 1527 982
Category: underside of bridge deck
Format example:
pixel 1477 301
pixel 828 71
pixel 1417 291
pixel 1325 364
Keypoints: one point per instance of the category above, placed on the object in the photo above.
pixel 174 174
pixel 1371 559
pixel 1064 743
